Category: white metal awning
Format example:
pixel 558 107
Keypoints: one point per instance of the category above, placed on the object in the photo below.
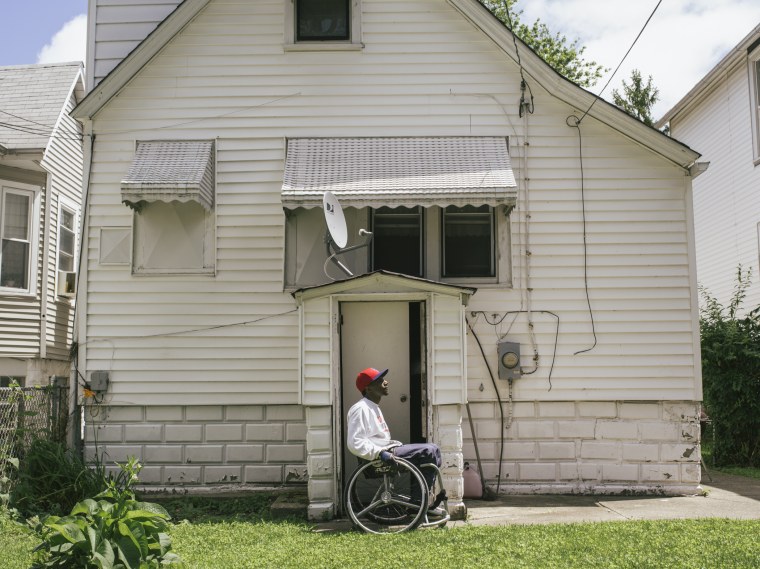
pixel 393 172
pixel 170 170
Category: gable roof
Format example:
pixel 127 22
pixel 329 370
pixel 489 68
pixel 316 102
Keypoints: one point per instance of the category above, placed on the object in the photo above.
pixel 472 10
pixel 32 98
pixel 736 56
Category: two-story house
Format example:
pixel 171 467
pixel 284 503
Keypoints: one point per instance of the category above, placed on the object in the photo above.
pixel 41 162
pixel 721 117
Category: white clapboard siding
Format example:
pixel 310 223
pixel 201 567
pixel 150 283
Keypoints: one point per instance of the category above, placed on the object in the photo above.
pixel 726 197
pixel 423 71
pixel 317 347
pixel 64 160
pixel 120 26
pixel 447 362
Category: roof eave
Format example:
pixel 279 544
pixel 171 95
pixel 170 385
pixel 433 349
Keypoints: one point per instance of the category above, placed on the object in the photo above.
pixel 572 94
pixel 138 58
pixel 733 58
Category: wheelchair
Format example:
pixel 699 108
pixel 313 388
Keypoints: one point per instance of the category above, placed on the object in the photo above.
pixel 393 497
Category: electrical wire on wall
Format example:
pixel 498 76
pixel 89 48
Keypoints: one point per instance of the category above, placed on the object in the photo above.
pixel 501 406
pixel 573 121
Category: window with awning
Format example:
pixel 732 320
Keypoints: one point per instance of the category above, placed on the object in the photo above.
pixel 399 172
pixel 438 206
pixel 170 185
pixel 170 171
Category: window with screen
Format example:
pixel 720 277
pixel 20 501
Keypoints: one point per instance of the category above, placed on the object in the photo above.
pixel 323 20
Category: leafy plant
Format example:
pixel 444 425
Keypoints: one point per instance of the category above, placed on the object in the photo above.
pixel 111 531
pixel 51 479
pixel 731 376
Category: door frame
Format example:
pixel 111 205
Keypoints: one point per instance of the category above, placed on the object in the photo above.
pixel 337 392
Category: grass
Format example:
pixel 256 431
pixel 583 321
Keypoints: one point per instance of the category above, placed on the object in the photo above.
pixel 672 544
pixel 238 533
pixel 214 542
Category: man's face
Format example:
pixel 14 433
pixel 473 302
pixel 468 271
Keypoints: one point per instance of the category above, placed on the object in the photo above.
pixel 379 387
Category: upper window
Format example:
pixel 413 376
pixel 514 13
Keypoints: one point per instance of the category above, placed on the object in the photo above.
pixel 322 20
pixel 67 239
pixel 754 74
pixel 17 231
pixel 322 25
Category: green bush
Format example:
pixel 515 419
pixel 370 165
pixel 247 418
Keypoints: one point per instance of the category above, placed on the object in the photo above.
pixel 112 531
pixel 51 479
pixel 731 376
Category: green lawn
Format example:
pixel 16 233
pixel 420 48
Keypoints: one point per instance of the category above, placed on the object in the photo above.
pixel 280 545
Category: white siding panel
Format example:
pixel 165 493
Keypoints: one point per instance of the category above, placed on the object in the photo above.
pixel 64 159
pixel 316 358
pixel 423 72
pixel 120 26
pixel 447 361
pixel 726 197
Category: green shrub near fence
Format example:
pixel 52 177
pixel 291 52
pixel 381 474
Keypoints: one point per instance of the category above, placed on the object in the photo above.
pixel 731 376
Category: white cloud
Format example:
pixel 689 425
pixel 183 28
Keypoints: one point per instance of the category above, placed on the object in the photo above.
pixel 684 40
pixel 68 44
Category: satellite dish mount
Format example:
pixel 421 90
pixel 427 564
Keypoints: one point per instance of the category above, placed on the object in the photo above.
pixel 337 233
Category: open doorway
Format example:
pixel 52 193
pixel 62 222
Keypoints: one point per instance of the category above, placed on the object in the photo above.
pixel 385 335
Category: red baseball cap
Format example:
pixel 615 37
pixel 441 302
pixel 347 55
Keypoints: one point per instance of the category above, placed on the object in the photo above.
pixel 367 376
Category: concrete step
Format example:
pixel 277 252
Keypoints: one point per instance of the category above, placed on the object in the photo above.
pixel 290 504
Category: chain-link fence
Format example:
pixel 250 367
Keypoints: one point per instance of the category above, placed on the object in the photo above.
pixel 27 413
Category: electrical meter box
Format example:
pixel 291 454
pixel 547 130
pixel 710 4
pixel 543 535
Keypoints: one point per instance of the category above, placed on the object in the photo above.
pixel 509 360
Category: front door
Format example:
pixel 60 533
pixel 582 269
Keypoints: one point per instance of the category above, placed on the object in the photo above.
pixel 384 335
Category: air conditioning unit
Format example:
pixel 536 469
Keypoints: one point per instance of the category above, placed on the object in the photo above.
pixel 67 283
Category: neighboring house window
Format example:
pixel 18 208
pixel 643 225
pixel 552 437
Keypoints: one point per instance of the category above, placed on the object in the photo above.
pixel 8 380
pixel 174 238
pixel 323 24
pixel 67 239
pixel 754 89
pixel 17 224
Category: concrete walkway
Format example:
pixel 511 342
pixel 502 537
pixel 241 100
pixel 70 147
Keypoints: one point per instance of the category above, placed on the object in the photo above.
pixel 726 496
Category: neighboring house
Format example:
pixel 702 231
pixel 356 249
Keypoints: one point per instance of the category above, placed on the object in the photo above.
pixel 220 350
pixel 721 117
pixel 40 212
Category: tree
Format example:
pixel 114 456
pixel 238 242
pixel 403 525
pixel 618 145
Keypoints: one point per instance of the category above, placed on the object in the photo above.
pixel 637 98
pixel 564 56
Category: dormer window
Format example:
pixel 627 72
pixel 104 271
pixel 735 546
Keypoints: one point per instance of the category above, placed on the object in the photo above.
pixel 323 20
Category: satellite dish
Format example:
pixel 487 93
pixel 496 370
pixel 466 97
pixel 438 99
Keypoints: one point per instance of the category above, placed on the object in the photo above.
pixel 336 221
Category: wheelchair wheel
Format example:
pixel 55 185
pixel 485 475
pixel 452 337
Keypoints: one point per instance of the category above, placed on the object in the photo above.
pixel 386 498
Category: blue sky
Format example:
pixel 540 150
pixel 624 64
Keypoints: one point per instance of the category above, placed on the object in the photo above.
pixel 684 40
pixel 27 26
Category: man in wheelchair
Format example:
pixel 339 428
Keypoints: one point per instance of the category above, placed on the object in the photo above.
pixel 369 437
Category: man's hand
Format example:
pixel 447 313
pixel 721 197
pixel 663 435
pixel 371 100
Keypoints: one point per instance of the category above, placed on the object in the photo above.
pixel 386 456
